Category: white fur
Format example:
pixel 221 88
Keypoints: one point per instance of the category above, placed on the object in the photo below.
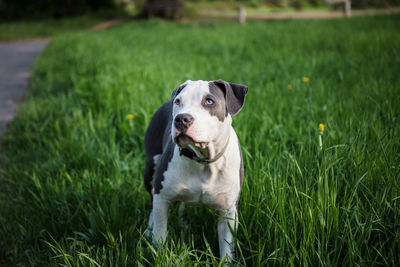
pixel 216 184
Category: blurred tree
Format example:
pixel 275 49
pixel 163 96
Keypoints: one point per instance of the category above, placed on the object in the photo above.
pixel 279 3
pixel 316 2
pixel 374 3
pixel 130 5
pixel 298 4
pixel 169 9
pixel 40 9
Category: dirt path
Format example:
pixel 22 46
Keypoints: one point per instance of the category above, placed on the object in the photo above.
pixel 305 15
pixel 325 15
pixel 108 24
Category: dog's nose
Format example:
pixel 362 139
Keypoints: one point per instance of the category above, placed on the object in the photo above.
pixel 183 121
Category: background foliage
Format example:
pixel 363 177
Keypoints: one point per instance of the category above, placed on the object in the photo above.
pixel 44 9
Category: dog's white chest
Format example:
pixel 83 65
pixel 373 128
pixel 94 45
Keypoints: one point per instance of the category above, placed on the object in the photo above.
pixel 194 192
pixel 196 184
pixel 213 194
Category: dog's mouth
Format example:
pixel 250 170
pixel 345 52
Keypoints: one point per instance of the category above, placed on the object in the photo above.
pixel 182 140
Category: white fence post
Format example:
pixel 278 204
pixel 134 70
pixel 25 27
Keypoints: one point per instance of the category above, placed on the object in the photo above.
pixel 242 15
pixel 346 4
pixel 347 8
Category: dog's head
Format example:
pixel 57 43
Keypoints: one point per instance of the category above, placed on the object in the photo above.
pixel 202 111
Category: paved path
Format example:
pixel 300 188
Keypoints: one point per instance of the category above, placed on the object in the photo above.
pixel 16 61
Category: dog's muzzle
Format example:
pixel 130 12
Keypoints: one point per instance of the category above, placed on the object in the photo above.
pixel 183 121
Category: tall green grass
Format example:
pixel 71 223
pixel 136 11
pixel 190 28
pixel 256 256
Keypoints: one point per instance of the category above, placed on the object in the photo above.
pixel 71 163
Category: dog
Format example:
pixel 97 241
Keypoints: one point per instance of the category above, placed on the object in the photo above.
pixel 193 155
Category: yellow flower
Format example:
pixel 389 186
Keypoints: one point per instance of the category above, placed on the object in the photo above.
pixel 290 87
pixel 321 127
pixel 306 79
pixel 129 117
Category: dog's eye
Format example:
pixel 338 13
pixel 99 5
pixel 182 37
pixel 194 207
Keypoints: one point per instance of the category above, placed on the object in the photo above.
pixel 209 101
pixel 177 101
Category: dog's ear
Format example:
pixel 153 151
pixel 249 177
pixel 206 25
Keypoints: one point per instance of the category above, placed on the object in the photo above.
pixel 179 89
pixel 234 95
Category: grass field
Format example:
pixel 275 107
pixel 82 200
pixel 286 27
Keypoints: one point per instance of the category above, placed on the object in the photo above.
pixel 19 30
pixel 72 163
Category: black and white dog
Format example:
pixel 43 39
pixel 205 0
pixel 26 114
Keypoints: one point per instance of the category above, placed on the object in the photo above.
pixel 193 155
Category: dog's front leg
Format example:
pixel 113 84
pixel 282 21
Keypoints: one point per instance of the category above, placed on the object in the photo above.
pixel 226 222
pixel 160 218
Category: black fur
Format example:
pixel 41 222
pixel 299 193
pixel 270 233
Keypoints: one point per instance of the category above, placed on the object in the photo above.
pixel 218 109
pixel 234 95
pixel 157 141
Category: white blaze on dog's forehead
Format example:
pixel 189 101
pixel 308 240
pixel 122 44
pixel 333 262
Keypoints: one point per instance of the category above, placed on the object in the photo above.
pixel 191 97
pixel 194 90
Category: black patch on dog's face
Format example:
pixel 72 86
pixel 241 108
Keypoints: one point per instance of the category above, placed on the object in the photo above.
pixel 234 95
pixel 177 91
pixel 218 108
